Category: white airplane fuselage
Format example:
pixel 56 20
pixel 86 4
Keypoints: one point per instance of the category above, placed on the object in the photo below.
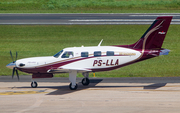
pixel 107 58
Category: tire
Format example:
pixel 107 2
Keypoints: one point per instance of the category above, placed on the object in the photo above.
pixel 85 81
pixel 34 84
pixel 71 87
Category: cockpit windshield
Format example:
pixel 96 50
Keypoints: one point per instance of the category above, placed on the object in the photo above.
pixel 58 54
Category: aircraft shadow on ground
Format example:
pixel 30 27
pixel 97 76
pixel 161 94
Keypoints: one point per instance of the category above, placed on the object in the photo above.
pixel 61 90
pixel 155 86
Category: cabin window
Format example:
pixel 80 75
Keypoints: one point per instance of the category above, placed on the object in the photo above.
pixel 67 54
pixel 97 53
pixel 58 54
pixel 84 54
pixel 110 53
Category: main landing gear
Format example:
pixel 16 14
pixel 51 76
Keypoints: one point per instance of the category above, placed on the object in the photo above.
pixel 72 78
pixel 85 80
pixel 73 87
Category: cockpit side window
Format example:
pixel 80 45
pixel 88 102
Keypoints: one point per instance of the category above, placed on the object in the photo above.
pixel 110 53
pixel 58 54
pixel 68 54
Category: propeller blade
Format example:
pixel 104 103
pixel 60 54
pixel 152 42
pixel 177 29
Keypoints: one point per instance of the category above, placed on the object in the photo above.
pixel 17 74
pixel 13 72
pixel 11 56
pixel 14 69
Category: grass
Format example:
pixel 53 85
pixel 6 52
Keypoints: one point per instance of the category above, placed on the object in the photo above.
pixel 89 6
pixel 46 40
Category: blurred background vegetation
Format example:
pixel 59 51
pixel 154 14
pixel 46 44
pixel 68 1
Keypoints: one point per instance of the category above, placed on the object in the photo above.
pixel 91 6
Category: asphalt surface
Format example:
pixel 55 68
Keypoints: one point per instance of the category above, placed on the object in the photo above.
pixel 83 19
pixel 28 78
pixel 103 95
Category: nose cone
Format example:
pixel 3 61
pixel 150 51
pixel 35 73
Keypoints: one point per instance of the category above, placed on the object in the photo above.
pixel 11 65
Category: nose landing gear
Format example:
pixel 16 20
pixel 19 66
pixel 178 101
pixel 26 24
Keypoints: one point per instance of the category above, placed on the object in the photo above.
pixel 34 84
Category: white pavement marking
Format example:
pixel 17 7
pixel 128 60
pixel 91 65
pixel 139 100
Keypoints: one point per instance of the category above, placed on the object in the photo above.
pixel 120 21
pixel 115 20
pixel 112 20
pixel 142 15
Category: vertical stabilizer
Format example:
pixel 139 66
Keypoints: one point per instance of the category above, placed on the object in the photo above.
pixel 153 38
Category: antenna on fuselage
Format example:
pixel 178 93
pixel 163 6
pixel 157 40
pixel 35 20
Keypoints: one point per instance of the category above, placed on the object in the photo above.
pixel 100 43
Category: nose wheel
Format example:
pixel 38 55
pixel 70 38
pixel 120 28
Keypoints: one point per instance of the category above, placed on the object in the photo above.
pixel 34 84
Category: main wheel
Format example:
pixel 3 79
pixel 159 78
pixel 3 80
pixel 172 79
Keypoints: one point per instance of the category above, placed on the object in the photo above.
pixel 34 84
pixel 85 81
pixel 73 88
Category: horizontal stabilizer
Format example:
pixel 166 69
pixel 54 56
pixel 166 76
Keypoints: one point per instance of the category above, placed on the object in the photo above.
pixel 164 52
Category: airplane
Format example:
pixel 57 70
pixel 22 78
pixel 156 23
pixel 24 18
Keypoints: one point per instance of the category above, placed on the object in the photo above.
pixel 85 60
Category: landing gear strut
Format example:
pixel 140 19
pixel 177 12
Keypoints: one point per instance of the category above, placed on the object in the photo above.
pixel 34 84
pixel 72 79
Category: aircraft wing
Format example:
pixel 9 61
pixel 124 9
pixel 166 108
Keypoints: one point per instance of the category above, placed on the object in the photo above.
pixel 67 70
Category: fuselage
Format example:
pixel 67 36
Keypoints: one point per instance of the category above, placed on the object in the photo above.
pixel 97 58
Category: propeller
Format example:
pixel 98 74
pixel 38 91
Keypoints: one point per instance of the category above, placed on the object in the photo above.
pixel 14 68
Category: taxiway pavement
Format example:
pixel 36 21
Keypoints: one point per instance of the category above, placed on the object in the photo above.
pixel 103 95
pixel 83 18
